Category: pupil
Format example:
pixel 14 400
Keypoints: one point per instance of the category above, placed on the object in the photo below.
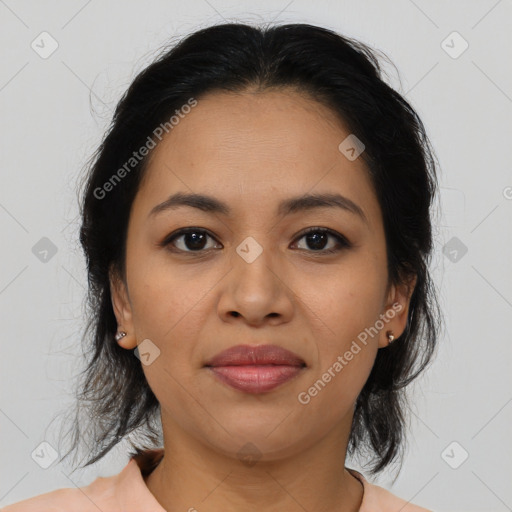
pixel 197 240
pixel 316 242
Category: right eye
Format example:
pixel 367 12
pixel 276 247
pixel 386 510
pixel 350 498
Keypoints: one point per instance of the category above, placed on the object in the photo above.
pixel 190 239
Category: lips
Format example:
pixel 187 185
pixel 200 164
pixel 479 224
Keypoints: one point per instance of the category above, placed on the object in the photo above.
pixel 256 355
pixel 255 369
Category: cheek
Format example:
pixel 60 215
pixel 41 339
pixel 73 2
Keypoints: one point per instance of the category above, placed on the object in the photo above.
pixel 169 309
pixel 341 313
pixel 166 297
pixel 344 302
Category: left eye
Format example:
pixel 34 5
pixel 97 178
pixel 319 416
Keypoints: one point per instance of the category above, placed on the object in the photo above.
pixel 317 238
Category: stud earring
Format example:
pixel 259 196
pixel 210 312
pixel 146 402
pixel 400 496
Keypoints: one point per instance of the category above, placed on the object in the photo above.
pixel 119 335
pixel 390 336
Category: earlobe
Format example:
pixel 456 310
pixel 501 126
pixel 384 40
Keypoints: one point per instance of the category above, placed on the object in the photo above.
pixel 396 312
pixel 125 335
pixel 124 340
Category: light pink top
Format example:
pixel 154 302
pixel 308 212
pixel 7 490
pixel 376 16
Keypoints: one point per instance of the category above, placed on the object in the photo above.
pixel 127 492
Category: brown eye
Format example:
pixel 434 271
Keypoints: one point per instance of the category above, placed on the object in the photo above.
pixel 318 238
pixel 189 240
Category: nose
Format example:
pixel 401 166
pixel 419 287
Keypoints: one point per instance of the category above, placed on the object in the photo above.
pixel 256 291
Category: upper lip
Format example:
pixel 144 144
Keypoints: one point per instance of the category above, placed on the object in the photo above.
pixel 241 355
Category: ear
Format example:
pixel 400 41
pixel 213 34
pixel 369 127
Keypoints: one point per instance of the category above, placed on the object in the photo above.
pixel 396 310
pixel 122 309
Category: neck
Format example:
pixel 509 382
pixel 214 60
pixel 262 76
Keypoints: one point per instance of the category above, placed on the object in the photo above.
pixel 192 476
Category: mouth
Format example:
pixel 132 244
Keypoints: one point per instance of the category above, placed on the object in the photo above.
pixel 255 369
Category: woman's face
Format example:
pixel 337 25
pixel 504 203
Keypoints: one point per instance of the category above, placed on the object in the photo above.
pixel 247 274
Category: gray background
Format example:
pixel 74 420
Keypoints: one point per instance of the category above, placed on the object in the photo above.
pixel 48 131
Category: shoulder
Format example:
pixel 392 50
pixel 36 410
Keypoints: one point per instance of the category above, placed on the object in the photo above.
pixel 71 500
pixel 126 491
pixel 378 498
pixel 104 493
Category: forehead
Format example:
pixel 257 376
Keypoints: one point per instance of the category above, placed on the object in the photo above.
pixel 254 126
pixel 253 148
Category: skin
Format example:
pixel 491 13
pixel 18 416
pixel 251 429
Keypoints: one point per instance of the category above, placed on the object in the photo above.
pixel 252 150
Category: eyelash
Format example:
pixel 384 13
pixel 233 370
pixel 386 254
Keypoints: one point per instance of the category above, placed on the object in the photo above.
pixel 342 241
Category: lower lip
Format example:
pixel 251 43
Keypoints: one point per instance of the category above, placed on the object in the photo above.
pixel 255 379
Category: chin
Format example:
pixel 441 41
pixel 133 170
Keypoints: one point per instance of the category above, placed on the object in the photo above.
pixel 266 436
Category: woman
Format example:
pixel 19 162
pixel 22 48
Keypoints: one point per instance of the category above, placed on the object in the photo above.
pixel 257 230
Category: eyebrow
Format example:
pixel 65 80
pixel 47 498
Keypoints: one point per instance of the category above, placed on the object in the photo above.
pixel 289 206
